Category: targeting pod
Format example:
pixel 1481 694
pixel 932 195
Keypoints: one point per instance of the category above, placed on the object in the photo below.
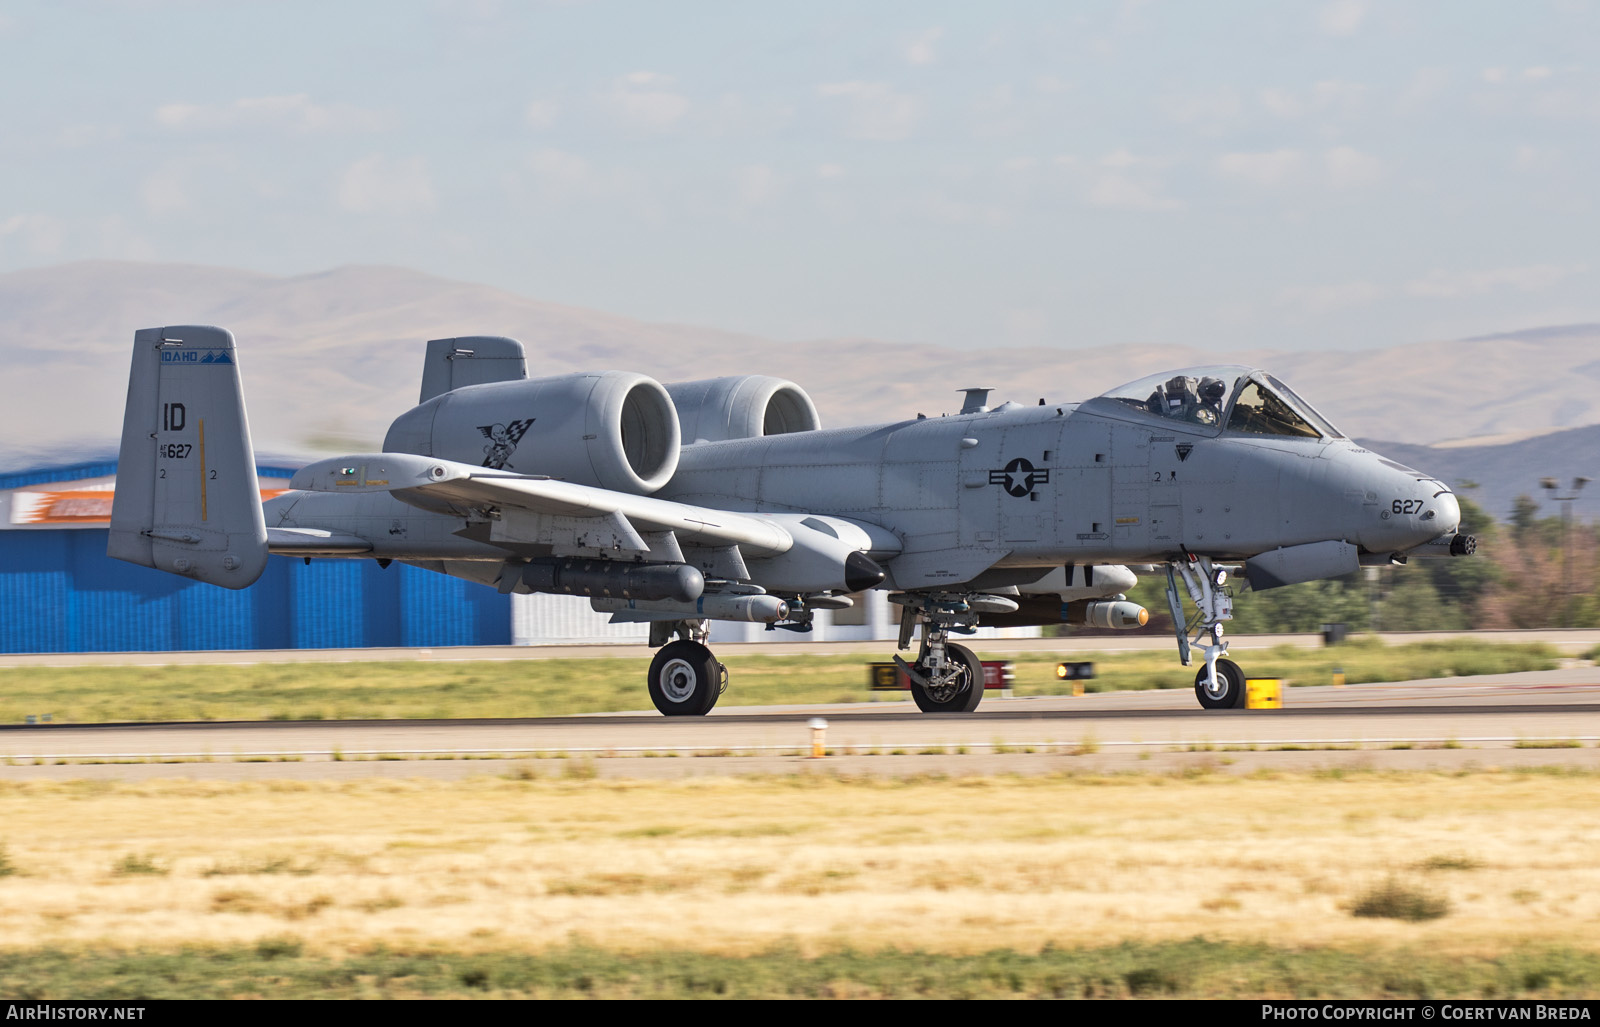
pixel 1119 615
pixel 608 578
pixel 1115 614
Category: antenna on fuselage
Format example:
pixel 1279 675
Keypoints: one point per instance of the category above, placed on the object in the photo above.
pixel 977 401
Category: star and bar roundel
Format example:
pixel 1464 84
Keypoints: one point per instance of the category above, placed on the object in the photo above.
pixel 1019 477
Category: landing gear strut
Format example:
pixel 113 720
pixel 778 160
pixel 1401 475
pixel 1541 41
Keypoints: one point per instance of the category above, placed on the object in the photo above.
pixel 962 686
pixel 1220 683
pixel 946 678
pixel 685 678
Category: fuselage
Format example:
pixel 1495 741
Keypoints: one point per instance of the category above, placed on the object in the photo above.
pixel 1040 486
pixel 984 497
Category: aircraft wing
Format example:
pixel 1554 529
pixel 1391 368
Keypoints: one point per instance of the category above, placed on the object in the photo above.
pixel 581 519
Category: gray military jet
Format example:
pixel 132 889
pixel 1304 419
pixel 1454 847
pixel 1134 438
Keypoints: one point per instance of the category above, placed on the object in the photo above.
pixel 723 499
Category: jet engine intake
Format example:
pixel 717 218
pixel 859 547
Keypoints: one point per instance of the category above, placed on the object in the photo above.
pixel 741 407
pixel 613 429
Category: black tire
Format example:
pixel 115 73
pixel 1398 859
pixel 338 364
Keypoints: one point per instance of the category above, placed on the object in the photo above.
pixel 1231 681
pixel 685 679
pixel 966 693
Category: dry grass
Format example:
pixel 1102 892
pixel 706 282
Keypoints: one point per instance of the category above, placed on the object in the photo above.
pixel 736 865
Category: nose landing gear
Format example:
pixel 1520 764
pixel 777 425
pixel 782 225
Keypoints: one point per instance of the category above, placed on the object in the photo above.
pixel 1224 690
pixel 1220 683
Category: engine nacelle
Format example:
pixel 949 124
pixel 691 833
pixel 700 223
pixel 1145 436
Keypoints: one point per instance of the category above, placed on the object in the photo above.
pixel 741 407
pixel 614 429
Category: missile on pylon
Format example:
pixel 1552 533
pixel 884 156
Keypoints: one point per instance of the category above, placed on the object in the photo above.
pixel 750 608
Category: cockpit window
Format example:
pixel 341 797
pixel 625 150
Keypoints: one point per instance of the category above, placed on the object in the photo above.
pixel 1186 398
pixel 1221 395
pixel 1260 411
pixel 1197 396
pixel 1305 409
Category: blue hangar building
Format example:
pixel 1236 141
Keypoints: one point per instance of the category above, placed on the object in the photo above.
pixel 61 593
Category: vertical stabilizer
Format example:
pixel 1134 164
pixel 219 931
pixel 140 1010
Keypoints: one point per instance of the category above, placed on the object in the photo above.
pixel 470 360
pixel 187 500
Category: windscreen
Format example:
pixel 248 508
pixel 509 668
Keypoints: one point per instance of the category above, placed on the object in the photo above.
pixel 1305 409
pixel 1260 411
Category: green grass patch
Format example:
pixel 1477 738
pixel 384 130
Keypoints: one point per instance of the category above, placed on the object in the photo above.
pixel 270 865
pixel 136 864
pixel 279 967
pixel 515 688
pixel 1451 862
pixel 1395 899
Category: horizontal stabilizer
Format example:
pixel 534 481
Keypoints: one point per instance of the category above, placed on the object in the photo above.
pixel 315 542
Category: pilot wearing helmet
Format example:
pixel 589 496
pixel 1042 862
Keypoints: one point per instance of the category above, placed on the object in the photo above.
pixel 1176 399
pixel 1212 392
pixel 1183 398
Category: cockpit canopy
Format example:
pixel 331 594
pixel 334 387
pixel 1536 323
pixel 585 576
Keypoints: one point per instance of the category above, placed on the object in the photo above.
pixel 1229 397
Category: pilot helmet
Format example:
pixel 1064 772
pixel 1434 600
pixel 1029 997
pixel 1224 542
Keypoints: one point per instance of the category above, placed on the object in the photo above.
pixel 1212 390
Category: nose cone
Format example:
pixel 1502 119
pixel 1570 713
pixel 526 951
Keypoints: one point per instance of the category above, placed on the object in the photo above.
pixel 1449 510
pixel 1407 510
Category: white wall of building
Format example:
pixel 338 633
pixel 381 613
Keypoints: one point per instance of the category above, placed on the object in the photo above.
pixel 568 620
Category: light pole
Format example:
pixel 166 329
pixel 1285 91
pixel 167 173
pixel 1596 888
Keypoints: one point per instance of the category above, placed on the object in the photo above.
pixel 1565 498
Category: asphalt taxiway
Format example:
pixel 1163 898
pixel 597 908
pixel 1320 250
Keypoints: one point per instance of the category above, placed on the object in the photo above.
pixel 1503 720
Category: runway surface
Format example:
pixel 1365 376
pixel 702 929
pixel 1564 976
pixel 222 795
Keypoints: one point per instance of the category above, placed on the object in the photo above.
pixel 1538 718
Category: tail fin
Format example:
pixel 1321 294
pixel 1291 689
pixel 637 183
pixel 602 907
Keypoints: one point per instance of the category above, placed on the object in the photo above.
pixel 470 360
pixel 187 500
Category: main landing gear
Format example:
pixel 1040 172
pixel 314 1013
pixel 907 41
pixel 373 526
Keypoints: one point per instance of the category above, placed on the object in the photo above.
pixel 1219 685
pixel 685 678
pixel 946 677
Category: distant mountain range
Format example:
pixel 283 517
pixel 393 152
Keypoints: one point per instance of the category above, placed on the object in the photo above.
pixel 330 358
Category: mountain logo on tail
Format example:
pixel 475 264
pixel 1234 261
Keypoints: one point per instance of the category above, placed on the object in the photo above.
pixel 196 356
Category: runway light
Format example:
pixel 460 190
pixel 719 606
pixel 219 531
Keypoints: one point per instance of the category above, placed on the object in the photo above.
pixel 819 729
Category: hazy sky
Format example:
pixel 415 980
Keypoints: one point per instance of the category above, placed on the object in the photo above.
pixel 1077 174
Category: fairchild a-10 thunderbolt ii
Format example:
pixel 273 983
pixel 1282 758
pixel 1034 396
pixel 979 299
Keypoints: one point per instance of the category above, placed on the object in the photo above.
pixel 723 499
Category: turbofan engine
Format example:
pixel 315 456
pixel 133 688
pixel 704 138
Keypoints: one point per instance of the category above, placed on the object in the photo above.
pixel 741 407
pixel 613 429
